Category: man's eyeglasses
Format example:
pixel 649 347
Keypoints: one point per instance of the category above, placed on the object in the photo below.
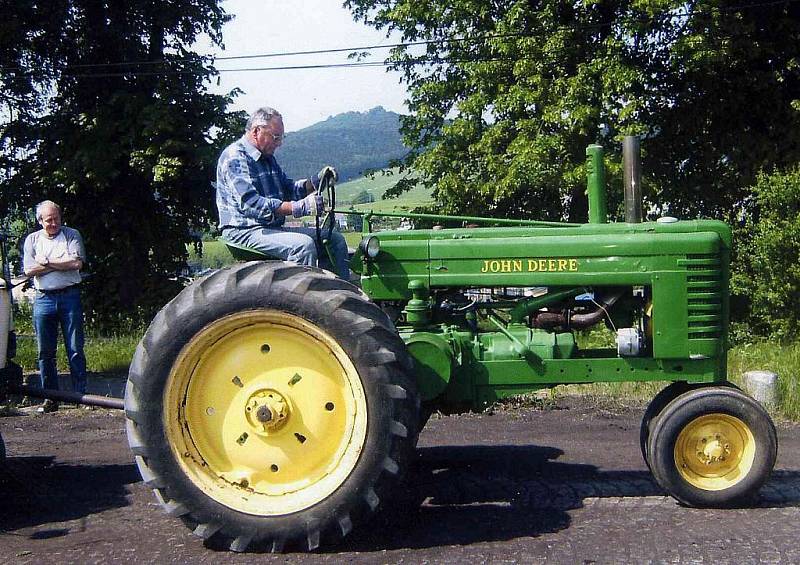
pixel 275 136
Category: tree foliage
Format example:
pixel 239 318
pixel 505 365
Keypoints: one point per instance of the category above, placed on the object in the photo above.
pixel 105 110
pixel 767 277
pixel 505 96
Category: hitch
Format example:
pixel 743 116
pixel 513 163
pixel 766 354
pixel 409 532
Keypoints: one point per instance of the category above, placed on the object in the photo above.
pixel 64 396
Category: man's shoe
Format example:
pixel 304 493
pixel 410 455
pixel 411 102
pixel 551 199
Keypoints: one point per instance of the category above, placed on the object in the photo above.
pixel 48 406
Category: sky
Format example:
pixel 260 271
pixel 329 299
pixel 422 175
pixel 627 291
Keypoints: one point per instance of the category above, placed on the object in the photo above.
pixel 303 96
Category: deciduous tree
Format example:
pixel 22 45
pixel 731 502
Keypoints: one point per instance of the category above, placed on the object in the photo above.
pixel 106 110
pixel 505 96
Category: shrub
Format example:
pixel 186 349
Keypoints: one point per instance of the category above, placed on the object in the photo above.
pixel 766 274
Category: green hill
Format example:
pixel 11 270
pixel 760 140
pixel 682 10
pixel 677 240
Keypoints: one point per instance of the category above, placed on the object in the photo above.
pixel 347 193
pixel 354 142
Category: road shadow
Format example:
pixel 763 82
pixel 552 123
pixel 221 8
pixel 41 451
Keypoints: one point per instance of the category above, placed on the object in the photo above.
pixel 454 495
pixel 459 495
pixel 34 491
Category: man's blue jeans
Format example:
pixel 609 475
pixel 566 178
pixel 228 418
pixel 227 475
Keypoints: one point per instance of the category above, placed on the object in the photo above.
pixel 52 309
pixel 294 244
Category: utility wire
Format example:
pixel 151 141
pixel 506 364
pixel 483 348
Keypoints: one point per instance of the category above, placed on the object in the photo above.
pixel 475 39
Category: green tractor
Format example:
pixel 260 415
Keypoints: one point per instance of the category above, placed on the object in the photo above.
pixel 272 406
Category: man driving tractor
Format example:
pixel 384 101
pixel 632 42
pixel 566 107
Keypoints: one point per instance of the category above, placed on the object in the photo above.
pixel 254 197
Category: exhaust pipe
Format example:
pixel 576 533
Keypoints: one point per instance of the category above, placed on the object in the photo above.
pixel 632 179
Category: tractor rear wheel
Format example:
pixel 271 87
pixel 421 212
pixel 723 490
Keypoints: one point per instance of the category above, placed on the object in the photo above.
pixel 270 404
pixel 712 447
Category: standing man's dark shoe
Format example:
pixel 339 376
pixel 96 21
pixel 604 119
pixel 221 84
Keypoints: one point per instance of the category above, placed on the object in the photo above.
pixel 48 406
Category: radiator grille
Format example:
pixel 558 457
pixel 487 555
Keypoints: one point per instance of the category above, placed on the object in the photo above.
pixel 704 295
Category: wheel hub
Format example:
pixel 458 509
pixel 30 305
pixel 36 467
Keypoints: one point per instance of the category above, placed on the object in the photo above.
pixel 713 449
pixel 267 411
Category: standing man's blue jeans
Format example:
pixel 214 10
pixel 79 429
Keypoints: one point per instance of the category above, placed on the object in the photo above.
pixel 297 244
pixel 52 309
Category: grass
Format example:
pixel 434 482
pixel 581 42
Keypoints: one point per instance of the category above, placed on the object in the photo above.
pixel 783 360
pixel 107 355
pixel 215 256
pixel 377 187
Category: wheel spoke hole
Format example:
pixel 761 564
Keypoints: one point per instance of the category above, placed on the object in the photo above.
pixel 265 348
pixel 300 437
pixel 329 406
pixel 242 438
pixel 237 381
pixel 273 468
pixel 210 411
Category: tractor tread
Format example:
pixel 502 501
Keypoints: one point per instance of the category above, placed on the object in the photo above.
pixel 399 429
pixel 148 477
pixel 345 524
pixel 372 499
pixel 391 466
pixel 206 530
pixel 241 543
pixel 312 536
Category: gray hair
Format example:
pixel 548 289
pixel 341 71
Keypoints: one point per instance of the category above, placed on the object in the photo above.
pixel 46 204
pixel 261 117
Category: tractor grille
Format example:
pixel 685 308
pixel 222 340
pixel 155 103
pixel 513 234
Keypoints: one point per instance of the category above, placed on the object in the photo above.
pixel 704 295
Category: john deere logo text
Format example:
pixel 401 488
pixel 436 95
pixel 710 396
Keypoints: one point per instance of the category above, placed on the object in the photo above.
pixel 528 265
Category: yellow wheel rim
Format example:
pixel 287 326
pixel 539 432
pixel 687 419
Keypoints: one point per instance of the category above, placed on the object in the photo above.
pixel 265 412
pixel 715 451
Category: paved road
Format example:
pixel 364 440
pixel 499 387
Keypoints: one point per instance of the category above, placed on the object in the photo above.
pixel 564 486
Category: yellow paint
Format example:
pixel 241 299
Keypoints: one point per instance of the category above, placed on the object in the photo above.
pixel 265 412
pixel 528 265
pixel 715 451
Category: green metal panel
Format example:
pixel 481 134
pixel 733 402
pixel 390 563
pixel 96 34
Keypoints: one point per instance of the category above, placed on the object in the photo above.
pixel 486 364
pixel 400 260
pixel 610 254
pixel 682 268
pixel 433 363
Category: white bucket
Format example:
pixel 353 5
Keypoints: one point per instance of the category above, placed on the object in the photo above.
pixel 762 385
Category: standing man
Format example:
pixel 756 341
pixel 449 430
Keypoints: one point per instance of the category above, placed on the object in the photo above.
pixel 254 196
pixel 54 256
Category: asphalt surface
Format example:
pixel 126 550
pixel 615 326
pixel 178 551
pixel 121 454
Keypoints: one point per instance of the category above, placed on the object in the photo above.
pixel 564 485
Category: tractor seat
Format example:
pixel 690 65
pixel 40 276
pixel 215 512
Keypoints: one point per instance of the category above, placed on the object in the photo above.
pixel 243 253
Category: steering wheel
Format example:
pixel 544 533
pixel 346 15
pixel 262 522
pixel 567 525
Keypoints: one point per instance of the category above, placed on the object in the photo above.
pixel 327 189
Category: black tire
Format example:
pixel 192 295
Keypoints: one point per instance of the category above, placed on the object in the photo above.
pixel 2 449
pixel 659 402
pixel 713 447
pixel 329 309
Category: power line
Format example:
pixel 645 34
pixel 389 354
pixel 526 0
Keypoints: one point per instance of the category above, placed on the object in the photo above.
pixel 474 39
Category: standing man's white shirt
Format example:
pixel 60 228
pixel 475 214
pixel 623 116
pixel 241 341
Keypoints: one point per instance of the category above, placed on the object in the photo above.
pixel 67 244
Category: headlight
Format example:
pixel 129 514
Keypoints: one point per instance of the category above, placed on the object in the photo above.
pixel 370 246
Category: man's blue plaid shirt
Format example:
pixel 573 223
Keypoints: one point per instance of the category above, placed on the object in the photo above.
pixel 251 186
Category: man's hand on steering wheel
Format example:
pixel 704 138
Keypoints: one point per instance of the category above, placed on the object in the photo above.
pixel 326 176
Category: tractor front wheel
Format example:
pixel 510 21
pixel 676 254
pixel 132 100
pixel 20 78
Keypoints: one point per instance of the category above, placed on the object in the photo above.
pixel 712 447
pixel 659 402
pixel 271 404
